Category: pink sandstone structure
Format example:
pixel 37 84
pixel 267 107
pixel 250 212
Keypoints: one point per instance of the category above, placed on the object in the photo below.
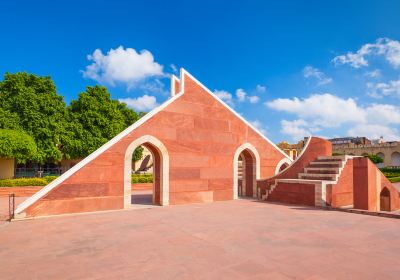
pixel 196 141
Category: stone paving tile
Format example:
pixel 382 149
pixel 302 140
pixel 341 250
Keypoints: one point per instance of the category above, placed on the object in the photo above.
pixel 240 239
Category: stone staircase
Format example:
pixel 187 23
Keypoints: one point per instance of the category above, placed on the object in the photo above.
pixel 324 170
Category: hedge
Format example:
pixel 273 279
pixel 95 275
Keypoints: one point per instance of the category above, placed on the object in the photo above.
pixel 23 182
pixel 142 178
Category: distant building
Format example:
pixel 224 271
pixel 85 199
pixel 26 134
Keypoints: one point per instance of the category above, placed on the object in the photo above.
pixel 362 146
pixel 292 150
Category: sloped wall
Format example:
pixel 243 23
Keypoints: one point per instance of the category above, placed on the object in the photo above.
pixel 201 136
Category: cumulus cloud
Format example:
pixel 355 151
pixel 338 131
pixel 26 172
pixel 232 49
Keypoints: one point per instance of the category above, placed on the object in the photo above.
pixel 323 108
pixel 374 131
pixel 297 129
pixel 173 68
pixel 224 96
pixel 261 89
pixel 385 47
pixel 254 99
pixel 320 77
pixel 379 90
pixel 126 66
pixel 241 95
pixel 143 103
pixel 326 111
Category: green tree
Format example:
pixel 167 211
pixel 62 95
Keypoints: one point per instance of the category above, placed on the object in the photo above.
pixel 94 118
pixel 36 108
pixel 374 158
pixel 18 145
pixel 9 120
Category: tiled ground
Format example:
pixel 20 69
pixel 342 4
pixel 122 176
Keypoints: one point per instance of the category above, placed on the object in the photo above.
pixel 224 240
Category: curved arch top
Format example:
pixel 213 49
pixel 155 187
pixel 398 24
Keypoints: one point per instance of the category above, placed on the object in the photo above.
pixel 164 168
pixel 254 152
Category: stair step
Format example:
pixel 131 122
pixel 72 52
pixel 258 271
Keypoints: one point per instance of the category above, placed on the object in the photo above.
pixel 330 177
pixel 332 158
pixel 326 164
pixel 321 170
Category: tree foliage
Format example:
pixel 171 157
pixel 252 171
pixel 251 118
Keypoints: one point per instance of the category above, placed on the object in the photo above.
pixel 94 118
pixel 31 103
pixel 374 158
pixel 18 145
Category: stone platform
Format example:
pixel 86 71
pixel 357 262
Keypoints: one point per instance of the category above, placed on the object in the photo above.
pixel 242 239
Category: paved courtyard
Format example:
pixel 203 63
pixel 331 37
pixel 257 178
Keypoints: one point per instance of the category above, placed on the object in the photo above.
pixel 224 240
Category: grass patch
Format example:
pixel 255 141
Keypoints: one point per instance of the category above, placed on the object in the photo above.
pixel 392 174
pixel 142 178
pixel 24 182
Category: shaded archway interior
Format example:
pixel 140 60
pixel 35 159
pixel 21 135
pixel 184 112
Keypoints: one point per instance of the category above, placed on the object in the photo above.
pixel 385 200
pixel 150 196
pixel 247 173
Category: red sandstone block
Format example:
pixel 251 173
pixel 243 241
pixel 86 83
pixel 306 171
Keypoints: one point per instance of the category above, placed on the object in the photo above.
pixel 220 149
pixel 184 173
pixel 171 119
pixel 189 160
pixel 77 205
pixel 220 184
pixel 191 197
pixel 211 124
pixel 186 108
pixel 188 185
pixel 214 173
pixel 220 195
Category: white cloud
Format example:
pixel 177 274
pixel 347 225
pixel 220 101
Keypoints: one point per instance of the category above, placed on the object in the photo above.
pixel 311 72
pixel 383 114
pixel 122 66
pixel 241 95
pixel 373 74
pixel 297 129
pixel 327 111
pixel 261 89
pixel 389 49
pixel 143 103
pixel 374 131
pixel 224 96
pixel 254 99
pixel 259 126
pixel 379 90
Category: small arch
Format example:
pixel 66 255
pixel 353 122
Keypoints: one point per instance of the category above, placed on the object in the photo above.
pixel 395 159
pixel 282 165
pixel 385 200
pixel 161 170
pixel 250 153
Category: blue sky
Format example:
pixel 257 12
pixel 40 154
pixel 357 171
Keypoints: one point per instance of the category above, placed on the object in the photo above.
pixel 329 69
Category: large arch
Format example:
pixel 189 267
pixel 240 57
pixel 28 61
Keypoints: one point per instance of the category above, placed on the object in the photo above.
pixel 395 159
pixel 252 151
pixel 161 172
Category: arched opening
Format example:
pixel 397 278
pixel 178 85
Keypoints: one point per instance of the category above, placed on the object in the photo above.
pixel 246 169
pixel 395 159
pixel 382 156
pixel 145 176
pixel 283 167
pixel 156 193
pixel 385 200
pixel 246 174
